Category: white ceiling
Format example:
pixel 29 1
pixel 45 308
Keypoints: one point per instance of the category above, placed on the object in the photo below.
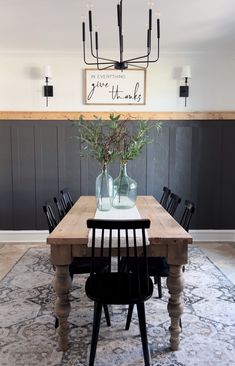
pixel 55 25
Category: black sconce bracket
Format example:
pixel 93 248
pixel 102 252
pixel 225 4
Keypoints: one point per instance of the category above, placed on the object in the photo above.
pixel 184 91
pixel 48 90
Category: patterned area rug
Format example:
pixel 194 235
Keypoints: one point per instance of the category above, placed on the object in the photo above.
pixel 28 337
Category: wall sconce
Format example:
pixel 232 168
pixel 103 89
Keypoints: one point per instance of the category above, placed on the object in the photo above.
pixel 184 89
pixel 48 89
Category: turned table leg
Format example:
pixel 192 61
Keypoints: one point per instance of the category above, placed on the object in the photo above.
pixel 175 284
pixel 62 285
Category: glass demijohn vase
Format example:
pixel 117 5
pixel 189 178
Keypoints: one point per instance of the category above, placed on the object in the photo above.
pixel 104 190
pixel 125 190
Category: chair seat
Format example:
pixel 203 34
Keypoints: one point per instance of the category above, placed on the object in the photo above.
pixel 81 265
pixel 128 290
pixel 158 266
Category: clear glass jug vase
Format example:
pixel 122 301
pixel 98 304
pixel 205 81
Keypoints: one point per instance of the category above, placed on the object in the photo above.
pixel 124 190
pixel 104 190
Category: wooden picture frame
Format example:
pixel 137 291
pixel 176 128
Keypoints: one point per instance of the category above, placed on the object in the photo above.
pixel 127 87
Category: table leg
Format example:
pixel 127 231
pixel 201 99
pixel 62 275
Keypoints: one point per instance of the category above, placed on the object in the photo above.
pixel 62 285
pixel 175 284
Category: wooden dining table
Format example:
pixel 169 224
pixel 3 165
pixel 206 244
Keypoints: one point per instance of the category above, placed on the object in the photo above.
pixel 167 239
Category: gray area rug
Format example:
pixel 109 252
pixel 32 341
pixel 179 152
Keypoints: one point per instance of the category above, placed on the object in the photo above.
pixel 28 337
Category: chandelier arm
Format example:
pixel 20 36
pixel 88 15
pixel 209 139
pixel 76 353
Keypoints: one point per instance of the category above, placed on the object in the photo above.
pixel 92 52
pixel 137 58
pixel 139 67
pixel 95 63
pixel 91 44
pixel 92 63
pixel 158 51
pixel 105 68
pixel 142 62
pixel 98 63
pixel 84 56
pixel 130 61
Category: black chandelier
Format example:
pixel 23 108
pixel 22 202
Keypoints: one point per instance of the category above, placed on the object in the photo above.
pixel 104 63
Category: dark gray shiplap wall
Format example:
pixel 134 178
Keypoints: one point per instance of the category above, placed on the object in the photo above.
pixel 194 158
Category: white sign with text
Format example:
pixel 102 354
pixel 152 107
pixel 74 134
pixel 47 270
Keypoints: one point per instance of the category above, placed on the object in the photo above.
pixel 115 87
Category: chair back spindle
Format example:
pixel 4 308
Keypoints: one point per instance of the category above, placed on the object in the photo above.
pixel 165 196
pixel 60 207
pixel 66 199
pixel 173 204
pixel 187 214
pixel 50 217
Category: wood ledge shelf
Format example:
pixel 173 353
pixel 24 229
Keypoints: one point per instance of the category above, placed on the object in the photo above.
pixel 8 115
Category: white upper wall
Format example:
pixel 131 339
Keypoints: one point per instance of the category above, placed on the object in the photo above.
pixel 195 32
pixel 212 87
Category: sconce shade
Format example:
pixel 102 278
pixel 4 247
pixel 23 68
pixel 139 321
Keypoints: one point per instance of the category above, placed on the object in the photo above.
pixel 186 72
pixel 47 71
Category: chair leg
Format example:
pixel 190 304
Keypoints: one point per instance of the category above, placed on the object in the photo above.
pixel 56 322
pixel 157 280
pixel 95 331
pixel 71 273
pixel 129 316
pixel 143 333
pixel 180 324
pixel 106 313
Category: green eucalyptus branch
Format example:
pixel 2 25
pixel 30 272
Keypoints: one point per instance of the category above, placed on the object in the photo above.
pixel 132 144
pixel 107 141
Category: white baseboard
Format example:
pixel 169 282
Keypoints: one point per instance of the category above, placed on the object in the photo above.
pixel 23 236
pixel 40 236
pixel 213 235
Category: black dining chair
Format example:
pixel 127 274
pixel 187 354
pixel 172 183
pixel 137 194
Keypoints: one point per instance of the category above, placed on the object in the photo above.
pixel 165 196
pixel 79 265
pixel 158 266
pixel 173 204
pixel 113 285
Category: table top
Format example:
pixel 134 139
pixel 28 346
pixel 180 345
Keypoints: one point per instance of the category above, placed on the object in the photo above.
pixel 164 228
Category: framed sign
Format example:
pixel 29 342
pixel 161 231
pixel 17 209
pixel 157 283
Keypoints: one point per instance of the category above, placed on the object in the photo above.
pixel 115 86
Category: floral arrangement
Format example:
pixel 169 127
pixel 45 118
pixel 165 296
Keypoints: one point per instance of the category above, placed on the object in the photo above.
pixel 108 141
